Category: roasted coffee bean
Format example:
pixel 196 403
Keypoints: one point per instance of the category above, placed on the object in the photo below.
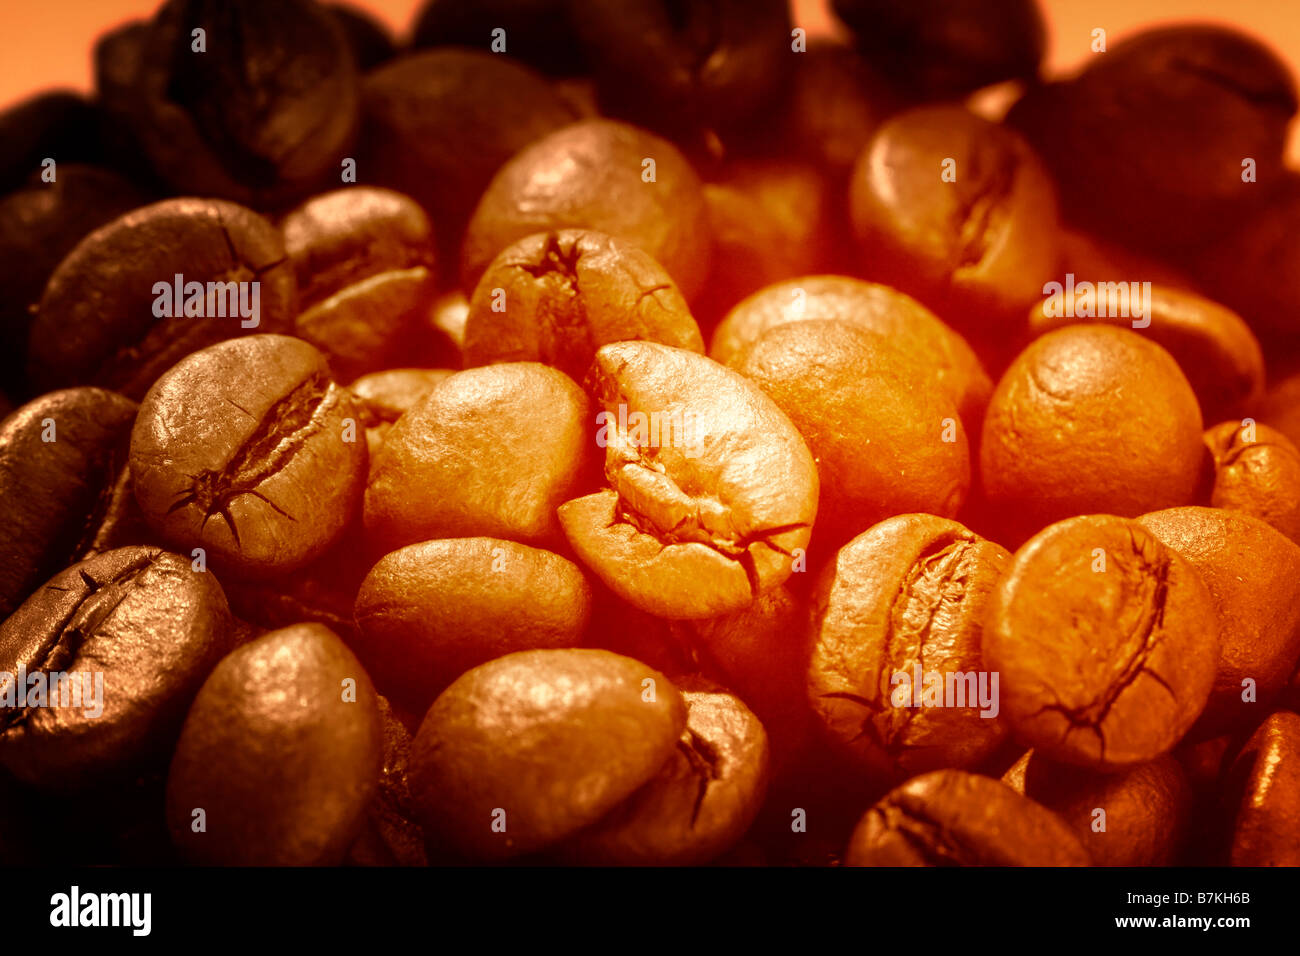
pixel 262 114
pixel 896 677
pixel 599 175
pixel 1213 346
pixel 1252 573
pixel 1106 643
pixel 526 750
pixel 388 395
pixel 870 418
pixel 140 293
pixel 528 427
pixel 114 649
pixel 439 123
pixel 249 451
pixel 958 212
pixel 1265 779
pixel 770 221
pixel 1190 102
pixel 365 264
pixel 61 457
pixel 556 297
pixel 711 489
pixel 370 41
pixel 431 611
pixel 1090 419
pixel 701 801
pixel 1257 472
pixel 954 818
pixel 685 67
pixel 279 757
pixel 39 225
pixel 910 326
pixel 537 32
pixel 58 125
pixel 941 48
pixel 1137 817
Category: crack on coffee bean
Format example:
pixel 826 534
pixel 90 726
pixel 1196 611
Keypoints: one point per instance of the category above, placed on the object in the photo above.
pixel 703 760
pixel 868 728
pixel 937 845
pixel 662 287
pixel 278 437
pixel 573 343
pixel 979 212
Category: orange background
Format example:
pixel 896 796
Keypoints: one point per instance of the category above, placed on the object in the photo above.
pixel 47 43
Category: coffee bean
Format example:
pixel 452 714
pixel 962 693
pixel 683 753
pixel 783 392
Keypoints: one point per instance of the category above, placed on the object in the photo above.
pixel 60 459
pixel 898 617
pixel 390 836
pixel 528 424
pixel 685 67
pixel 39 225
pixel 557 297
pixel 1105 642
pixel 1213 346
pixel 1090 419
pixel 137 628
pixel 1266 776
pixel 1252 573
pixel 711 488
pixel 938 48
pixel 526 750
pixel 598 175
pixel 1257 472
pixel 59 125
pixel 431 611
pixel 1137 817
pixel 244 450
pixel 279 757
pixel 364 260
pixel 868 417
pixel 701 801
pixel 111 314
pixel 954 818
pixel 911 326
pixel 261 115
pixel 958 212
pixel 439 123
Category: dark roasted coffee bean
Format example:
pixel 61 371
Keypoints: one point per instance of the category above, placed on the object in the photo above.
pixel 1264 784
pixel 601 175
pixel 59 125
pixel 390 835
pixel 61 459
pixel 1105 641
pixel 140 293
pixel 439 123
pixel 39 225
pixel 1191 102
pixel 1137 817
pixel 248 450
pixel 896 678
pixel 944 48
pixel 701 801
pixel 556 297
pixel 431 611
pixel 130 636
pixel 280 755
pixel 537 32
pixel 954 818
pixel 365 263
pixel 526 750
pixel 1252 572
pixel 262 114
pixel 684 67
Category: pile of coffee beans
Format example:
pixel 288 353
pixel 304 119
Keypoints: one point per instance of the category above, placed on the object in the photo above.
pixel 634 432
